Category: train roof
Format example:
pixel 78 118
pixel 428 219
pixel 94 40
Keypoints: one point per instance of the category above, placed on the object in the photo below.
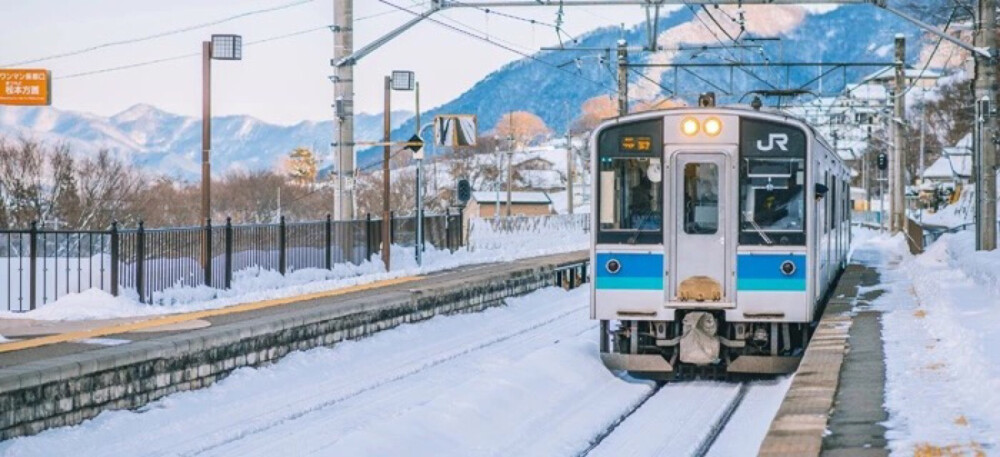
pixel 736 109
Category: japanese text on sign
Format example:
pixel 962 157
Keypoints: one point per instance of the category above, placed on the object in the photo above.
pixel 25 87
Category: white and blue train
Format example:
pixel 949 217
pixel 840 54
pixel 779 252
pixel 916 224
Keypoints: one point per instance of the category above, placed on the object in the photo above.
pixel 717 232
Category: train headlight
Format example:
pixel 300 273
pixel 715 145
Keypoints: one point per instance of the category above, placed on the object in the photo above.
pixel 689 126
pixel 788 267
pixel 613 266
pixel 713 126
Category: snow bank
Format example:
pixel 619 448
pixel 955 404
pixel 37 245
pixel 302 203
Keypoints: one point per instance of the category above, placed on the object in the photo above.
pixel 555 233
pixel 940 333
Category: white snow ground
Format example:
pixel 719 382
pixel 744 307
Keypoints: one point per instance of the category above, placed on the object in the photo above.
pixel 521 380
pixel 940 333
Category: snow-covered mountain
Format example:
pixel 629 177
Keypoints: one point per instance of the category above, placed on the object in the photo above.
pixel 170 143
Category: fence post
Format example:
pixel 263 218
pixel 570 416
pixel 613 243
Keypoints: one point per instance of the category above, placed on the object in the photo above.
pixel 447 229
pixel 329 242
pixel 33 265
pixel 368 236
pixel 229 252
pixel 208 252
pixel 115 252
pixel 281 245
pixel 140 262
pixel 392 228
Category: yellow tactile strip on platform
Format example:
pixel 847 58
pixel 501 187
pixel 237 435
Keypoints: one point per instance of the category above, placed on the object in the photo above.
pixel 191 316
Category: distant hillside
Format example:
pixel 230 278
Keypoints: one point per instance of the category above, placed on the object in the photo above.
pixel 171 144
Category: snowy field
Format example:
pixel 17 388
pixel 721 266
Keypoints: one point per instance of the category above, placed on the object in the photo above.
pixel 522 380
pixel 256 284
pixel 940 331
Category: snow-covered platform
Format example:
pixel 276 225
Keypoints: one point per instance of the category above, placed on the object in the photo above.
pixel 834 405
pixel 63 379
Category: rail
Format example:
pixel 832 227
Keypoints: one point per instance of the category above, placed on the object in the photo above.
pixel 38 266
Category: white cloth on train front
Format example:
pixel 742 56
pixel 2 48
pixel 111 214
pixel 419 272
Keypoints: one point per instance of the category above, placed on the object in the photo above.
pixel 699 344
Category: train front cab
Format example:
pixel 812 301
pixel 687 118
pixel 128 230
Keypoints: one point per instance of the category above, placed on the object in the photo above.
pixel 702 241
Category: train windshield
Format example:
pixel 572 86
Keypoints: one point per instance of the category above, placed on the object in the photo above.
pixel 772 184
pixel 637 199
pixel 630 193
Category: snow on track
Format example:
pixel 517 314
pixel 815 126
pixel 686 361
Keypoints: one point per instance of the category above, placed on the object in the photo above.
pixel 672 423
pixel 521 380
pixel 524 379
pixel 749 424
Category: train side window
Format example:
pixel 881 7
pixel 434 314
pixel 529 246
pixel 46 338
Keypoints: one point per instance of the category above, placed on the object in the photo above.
pixel 833 202
pixel 701 198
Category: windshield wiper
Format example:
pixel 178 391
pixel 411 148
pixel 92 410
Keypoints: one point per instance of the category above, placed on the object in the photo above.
pixel 749 218
pixel 638 227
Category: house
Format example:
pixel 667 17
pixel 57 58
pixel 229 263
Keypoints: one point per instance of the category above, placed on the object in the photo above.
pixel 484 204
pixel 954 166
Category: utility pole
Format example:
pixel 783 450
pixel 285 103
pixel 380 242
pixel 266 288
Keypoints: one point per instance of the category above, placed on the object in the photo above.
pixel 987 129
pixel 419 244
pixel 343 96
pixel 622 78
pixel 206 131
pixel 386 211
pixel 510 158
pixel 510 177
pixel 897 219
pixel 569 173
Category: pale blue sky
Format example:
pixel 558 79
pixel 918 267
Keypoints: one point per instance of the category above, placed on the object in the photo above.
pixel 282 81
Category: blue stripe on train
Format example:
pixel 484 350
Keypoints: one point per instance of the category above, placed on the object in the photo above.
pixel 639 271
pixel 759 272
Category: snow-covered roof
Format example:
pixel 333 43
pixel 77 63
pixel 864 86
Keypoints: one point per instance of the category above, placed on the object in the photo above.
pixel 515 197
pixel 541 179
pixel 949 167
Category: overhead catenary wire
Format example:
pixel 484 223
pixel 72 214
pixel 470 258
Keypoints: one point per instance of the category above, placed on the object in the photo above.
pixel 485 39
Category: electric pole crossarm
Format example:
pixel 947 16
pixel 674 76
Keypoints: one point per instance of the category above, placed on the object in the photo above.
pixel 381 41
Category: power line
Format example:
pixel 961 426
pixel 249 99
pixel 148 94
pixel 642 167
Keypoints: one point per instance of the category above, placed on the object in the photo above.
pixel 157 35
pixel 494 43
pixel 185 56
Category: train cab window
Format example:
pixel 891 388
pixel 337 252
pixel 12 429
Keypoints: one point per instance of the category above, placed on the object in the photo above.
pixel 630 173
pixel 701 198
pixel 772 186
pixel 633 194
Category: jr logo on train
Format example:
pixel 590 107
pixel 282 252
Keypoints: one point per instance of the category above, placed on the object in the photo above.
pixel 716 234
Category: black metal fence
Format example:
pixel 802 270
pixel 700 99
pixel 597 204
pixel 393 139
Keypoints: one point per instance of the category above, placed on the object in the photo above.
pixel 37 266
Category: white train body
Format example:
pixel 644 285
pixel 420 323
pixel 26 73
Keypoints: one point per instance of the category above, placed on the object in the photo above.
pixel 716 234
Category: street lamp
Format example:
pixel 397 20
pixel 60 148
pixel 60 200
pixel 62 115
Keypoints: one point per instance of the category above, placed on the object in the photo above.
pixel 399 80
pixel 221 47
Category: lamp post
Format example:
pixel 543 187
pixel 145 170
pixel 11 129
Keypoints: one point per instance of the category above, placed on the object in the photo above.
pixel 221 47
pixel 399 80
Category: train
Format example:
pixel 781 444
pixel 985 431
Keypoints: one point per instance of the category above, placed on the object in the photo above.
pixel 716 234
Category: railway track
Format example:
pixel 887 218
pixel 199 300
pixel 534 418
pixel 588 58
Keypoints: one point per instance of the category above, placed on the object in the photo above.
pixel 674 419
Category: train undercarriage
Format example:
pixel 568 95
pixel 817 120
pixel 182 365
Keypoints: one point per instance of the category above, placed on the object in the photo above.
pixel 700 343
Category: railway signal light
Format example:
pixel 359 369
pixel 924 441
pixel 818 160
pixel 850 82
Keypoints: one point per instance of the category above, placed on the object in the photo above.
pixel 464 190
pixel 882 162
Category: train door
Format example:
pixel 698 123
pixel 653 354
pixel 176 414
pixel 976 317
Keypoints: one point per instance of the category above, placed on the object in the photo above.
pixel 700 264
